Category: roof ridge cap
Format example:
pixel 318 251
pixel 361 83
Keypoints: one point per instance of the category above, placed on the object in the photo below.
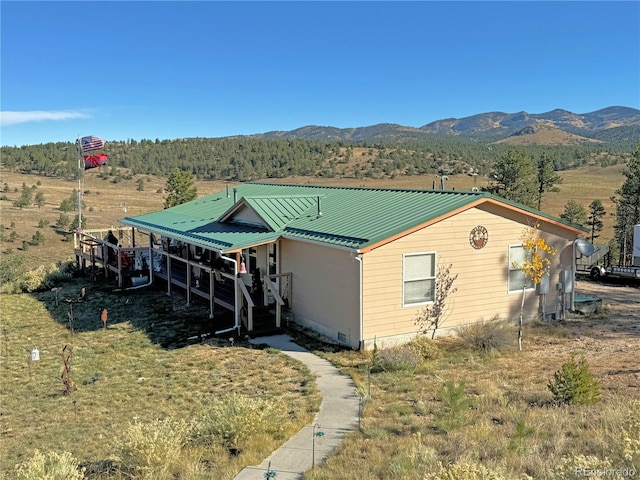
pixel 386 189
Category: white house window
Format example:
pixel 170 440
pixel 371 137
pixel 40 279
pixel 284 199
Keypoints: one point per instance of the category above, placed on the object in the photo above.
pixel 419 278
pixel 517 278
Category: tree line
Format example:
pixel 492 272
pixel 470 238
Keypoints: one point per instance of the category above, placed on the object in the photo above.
pixel 251 158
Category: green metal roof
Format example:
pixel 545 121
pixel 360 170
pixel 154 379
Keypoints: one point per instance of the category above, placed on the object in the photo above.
pixel 350 217
pixel 277 210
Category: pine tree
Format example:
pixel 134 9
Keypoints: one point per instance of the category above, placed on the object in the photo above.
pixel 547 177
pixel 515 178
pixel 26 197
pixel 574 213
pixel 596 212
pixel 180 188
pixel 628 208
pixel 39 199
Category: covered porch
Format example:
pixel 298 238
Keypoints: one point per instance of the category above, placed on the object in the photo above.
pixel 246 282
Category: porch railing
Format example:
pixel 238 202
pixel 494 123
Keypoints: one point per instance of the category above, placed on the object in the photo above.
pixel 247 298
pixel 270 287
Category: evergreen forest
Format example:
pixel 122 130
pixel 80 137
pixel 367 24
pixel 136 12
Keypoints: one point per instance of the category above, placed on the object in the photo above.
pixel 251 158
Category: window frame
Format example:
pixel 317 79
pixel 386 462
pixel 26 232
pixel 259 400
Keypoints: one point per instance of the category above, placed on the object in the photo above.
pixel 511 268
pixel 433 277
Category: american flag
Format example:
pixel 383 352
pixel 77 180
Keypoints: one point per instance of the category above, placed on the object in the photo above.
pixel 91 143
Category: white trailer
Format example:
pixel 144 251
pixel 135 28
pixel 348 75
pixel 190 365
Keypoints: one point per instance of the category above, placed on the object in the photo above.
pixel 598 264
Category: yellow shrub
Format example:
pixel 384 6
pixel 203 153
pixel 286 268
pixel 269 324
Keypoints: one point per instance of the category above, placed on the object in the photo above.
pixel 50 466
pixel 152 450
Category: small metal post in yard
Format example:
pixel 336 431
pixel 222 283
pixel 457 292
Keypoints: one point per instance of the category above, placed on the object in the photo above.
pixel 270 473
pixel 317 436
pixel 71 319
pixel 56 290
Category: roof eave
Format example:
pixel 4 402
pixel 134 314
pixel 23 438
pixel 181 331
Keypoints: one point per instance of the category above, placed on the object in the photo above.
pixel 483 199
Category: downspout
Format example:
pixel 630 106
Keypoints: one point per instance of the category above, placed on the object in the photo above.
pixel 236 312
pixel 358 258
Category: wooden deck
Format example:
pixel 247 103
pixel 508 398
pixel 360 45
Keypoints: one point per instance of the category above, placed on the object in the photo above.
pixel 134 266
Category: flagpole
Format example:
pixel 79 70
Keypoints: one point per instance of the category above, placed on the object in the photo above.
pixel 80 170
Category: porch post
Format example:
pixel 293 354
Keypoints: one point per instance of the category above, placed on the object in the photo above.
pixel 188 275
pixel 211 293
pixel 169 273
pixel 119 267
pixel 105 259
pixel 151 252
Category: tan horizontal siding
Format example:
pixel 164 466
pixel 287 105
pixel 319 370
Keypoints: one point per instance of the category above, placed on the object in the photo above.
pixel 482 274
pixel 325 287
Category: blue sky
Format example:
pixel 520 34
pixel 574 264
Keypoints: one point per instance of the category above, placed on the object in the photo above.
pixel 166 70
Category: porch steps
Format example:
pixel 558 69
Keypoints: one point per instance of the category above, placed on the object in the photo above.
pixel 264 322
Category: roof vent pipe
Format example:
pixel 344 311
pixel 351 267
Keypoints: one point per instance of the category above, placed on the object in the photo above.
pixel 227 190
pixel 319 211
pixel 235 195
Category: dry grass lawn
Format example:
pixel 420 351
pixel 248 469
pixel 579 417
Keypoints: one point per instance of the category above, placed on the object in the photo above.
pixel 145 366
pixel 511 426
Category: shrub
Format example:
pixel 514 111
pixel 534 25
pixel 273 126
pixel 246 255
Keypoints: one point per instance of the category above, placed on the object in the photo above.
pixel 230 421
pixel 574 384
pixel 37 238
pixel 494 334
pixel 631 439
pixel 413 458
pixel 44 278
pixel 425 348
pixel 579 466
pixel 395 359
pixel 63 222
pixel 35 279
pixel 465 471
pixel 50 466
pixel 12 271
pixel 68 205
pixel 152 450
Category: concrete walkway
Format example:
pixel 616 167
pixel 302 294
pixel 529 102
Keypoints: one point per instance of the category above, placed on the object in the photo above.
pixel 337 417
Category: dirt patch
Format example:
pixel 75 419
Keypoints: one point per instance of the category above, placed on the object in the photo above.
pixel 609 339
pixel 620 305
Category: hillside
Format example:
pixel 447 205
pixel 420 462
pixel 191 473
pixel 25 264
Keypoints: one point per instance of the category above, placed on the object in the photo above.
pixel 543 134
pixel 487 127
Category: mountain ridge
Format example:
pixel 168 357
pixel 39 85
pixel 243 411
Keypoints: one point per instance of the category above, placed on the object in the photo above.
pixel 485 127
